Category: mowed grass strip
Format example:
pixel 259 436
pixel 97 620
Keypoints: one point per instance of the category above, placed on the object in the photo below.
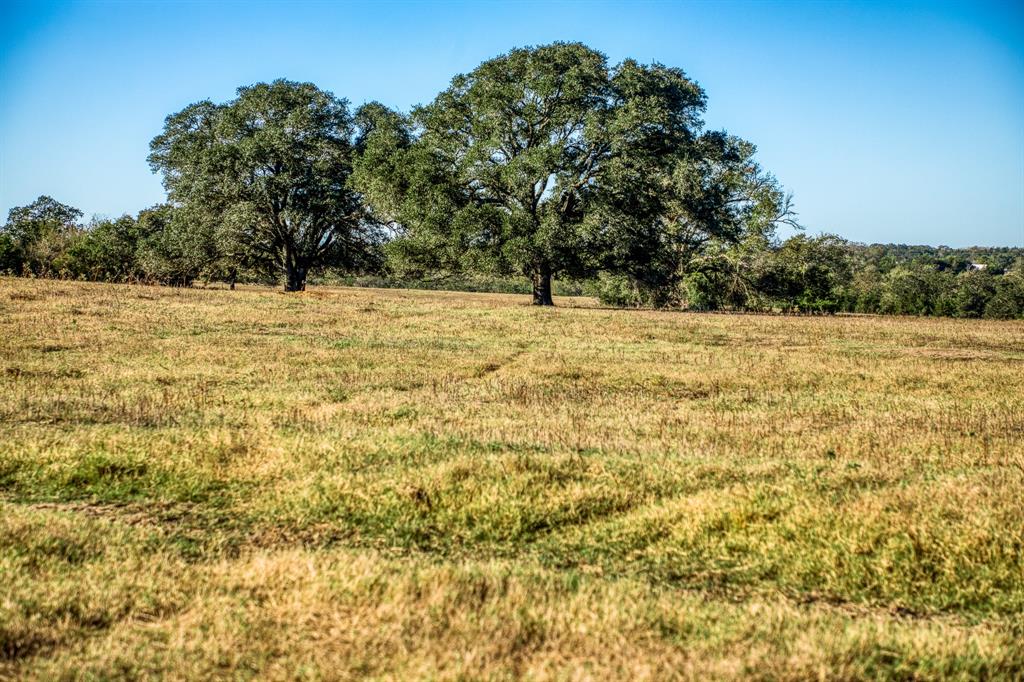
pixel 425 484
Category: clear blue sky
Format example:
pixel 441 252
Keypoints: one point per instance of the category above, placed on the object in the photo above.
pixel 889 122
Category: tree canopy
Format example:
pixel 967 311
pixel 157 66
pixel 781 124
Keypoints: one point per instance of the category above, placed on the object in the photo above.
pixel 507 168
pixel 268 172
pixel 29 240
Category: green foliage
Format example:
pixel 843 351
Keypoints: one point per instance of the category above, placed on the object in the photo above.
pixel 36 235
pixel 10 255
pixel 465 282
pixel 1008 299
pixel 827 275
pixel 266 175
pixel 105 250
pixel 517 166
pixel 702 292
pixel 809 272
pixel 174 249
pixel 911 291
pixel 704 202
pixel 616 290
pixel 973 290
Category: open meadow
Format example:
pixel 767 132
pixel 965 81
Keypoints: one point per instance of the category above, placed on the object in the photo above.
pixel 406 484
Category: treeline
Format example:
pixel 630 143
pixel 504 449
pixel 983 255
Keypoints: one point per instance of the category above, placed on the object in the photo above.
pixel 801 274
pixel 830 275
pixel 544 163
pixel 158 246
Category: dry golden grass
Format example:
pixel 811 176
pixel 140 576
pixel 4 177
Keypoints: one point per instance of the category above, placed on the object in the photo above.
pixel 397 484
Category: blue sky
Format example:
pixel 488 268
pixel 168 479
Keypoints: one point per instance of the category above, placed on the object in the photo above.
pixel 889 122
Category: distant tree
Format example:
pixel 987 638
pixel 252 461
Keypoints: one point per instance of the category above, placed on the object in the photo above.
pixel 26 223
pixel 268 173
pixel 864 289
pixel 36 235
pixel 808 273
pixel 916 290
pixel 105 250
pixel 504 170
pixel 1007 301
pixel 10 255
pixel 172 249
pixel 971 294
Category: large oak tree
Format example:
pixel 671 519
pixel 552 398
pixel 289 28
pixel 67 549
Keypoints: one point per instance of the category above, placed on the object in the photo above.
pixel 269 171
pixel 507 168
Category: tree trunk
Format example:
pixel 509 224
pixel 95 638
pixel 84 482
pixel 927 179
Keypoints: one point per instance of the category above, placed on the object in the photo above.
pixel 542 286
pixel 295 278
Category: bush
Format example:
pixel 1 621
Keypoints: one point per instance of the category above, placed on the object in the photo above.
pixel 1007 300
pixel 701 292
pixel 972 292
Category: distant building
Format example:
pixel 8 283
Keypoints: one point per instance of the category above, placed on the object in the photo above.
pixel 978 266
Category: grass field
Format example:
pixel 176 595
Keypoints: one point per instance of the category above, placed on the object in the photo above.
pixel 403 484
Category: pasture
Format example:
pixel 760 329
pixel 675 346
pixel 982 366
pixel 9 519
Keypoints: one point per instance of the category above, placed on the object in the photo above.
pixel 406 484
